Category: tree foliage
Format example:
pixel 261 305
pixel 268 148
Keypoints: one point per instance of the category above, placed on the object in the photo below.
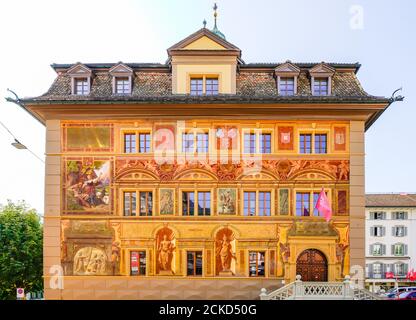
pixel 20 249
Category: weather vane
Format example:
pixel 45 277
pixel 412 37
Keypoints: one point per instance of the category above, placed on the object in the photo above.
pixel 215 15
pixel 204 23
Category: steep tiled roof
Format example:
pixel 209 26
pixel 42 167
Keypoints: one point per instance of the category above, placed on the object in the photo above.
pixel 153 83
pixel 391 200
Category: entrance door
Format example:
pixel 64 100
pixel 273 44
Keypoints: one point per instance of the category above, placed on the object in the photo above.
pixel 312 266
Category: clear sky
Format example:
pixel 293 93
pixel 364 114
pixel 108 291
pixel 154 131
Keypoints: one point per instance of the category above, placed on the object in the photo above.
pixel 378 34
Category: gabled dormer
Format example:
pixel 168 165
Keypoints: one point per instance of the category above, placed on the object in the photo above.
pixel 80 79
pixel 287 78
pixel 204 63
pixel 321 79
pixel 122 79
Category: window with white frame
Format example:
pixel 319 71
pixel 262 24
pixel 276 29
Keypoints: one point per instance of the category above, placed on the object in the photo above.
pixel 377 215
pixel 81 86
pixel 399 215
pixel 399 231
pixel 377 268
pixel 286 86
pixel 400 269
pixel 377 231
pixel 320 86
pixel 399 249
pixel 122 85
pixel 377 249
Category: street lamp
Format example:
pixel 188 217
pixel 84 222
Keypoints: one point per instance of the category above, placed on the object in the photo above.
pixel 18 145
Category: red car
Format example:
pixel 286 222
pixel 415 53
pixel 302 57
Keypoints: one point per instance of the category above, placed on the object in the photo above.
pixel 409 295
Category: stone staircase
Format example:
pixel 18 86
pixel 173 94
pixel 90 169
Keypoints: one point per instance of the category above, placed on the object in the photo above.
pixel 300 290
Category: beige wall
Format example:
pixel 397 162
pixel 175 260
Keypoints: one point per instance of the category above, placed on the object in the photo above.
pixel 183 67
pixel 357 194
pixel 52 228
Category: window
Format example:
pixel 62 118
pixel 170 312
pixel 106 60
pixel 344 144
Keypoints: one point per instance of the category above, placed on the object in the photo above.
pixel 202 142
pixel 82 86
pixel 129 142
pixel 144 142
pixel 305 143
pixel 129 200
pixel 400 269
pixel 377 231
pixel 377 249
pixel 211 86
pixel 265 143
pixel 316 212
pixel 264 203
pixel 249 143
pixel 399 231
pixel 399 249
pixel 250 203
pixel 188 203
pixel 194 263
pixel 377 215
pixel 146 203
pixel 320 86
pixel 196 86
pixel 377 268
pixel 138 263
pixel 122 85
pixel 302 204
pixel 399 215
pixel 286 86
pixel 320 143
pixel 256 264
pixel 195 142
pixel 187 142
pixel 204 203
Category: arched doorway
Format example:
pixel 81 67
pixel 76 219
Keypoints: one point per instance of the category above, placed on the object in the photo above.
pixel 312 266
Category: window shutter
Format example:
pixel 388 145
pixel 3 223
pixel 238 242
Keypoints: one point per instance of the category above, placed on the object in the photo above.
pixel 383 216
pixel 405 231
pixel 405 268
pixel 392 249
pixel 405 249
pixel 372 231
pixel 371 249
pixel 383 249
pixel 383 268
pixel 393 231
pixel 405 216
pixel 371 215
pixel 383 231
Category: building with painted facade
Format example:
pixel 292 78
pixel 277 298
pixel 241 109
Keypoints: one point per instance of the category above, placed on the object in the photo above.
pixel 197 178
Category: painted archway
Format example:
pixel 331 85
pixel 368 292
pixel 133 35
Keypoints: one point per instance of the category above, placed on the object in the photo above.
pixel 312 265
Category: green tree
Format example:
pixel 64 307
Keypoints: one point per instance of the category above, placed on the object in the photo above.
pixel 20 249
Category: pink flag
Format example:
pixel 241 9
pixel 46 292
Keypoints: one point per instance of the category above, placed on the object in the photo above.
pixel 323 205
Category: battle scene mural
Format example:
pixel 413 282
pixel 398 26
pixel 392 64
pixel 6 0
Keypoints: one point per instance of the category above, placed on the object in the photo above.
pixel 87 185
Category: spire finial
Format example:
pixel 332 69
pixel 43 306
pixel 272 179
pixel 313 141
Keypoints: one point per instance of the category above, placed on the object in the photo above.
pixel 204 23
pixel 215 15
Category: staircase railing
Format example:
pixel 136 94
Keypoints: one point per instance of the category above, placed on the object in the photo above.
pixel 300 290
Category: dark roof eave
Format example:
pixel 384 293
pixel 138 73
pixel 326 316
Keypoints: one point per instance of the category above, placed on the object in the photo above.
pixel 205 100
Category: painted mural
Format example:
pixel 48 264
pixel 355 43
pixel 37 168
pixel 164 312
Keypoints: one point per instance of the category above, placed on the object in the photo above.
pixel 167 201
pixel 227 201
pixel 87 185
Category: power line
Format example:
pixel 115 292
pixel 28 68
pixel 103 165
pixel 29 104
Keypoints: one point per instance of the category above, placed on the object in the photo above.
pixel 17 143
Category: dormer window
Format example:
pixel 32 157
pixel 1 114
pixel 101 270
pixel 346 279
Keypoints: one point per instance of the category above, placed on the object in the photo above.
pixel 81 86
pixel 80 79
pixel 320 87
pixel 123 85
pixel 287 86
pixel 321 79
pixel 122 79
pixel 287 77
pixel 204 85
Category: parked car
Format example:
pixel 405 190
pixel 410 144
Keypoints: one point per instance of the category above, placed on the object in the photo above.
pixel 408 295
pixel 395 292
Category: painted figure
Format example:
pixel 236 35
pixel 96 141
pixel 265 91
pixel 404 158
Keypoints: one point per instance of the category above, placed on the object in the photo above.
pixel 165 251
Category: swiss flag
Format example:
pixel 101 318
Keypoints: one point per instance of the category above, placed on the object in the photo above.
pixel 389 275
pixel 323 205
pixel 411 275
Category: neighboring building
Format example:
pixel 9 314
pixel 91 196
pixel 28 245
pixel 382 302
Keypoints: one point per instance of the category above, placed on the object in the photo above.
pixel 390 237
pixel 197 178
